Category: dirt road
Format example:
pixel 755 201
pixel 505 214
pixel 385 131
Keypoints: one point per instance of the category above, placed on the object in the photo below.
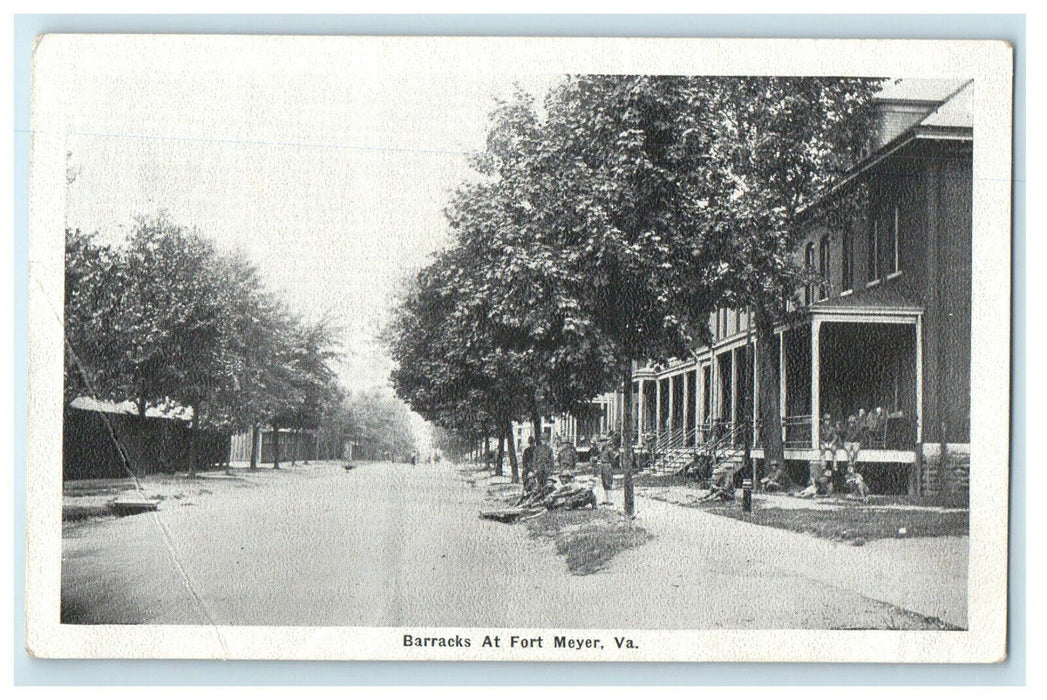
pixel 395 545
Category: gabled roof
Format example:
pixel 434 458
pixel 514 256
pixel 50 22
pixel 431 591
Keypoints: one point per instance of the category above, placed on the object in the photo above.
pixel 952 119
pixel 88 403
pixel 918 90
pixel 955 112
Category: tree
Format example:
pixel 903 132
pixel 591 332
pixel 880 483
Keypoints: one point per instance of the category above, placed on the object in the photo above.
pixel 780 145
pixel 515 301
pixel 651 201
pixel 165 320
pixel 447 369
pixel 618 184
pixel 309 381
pixel 94 278
pixel 379 424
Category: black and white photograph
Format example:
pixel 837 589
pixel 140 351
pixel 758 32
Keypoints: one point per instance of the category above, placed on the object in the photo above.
pixel 518 349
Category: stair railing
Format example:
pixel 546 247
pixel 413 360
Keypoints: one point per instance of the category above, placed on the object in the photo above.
pixel 673 449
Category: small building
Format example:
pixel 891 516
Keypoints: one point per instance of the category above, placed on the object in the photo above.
pixel 295 446
pixel 584 429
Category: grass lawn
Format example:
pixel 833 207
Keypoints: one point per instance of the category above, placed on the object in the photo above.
pixel 588 539
pixel 852 522
pixel 842 519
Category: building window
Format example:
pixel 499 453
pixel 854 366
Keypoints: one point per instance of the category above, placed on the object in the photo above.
pixel 874 252
pixel 847 272
pixel 808 259
pixel 891 244
pixel 823 267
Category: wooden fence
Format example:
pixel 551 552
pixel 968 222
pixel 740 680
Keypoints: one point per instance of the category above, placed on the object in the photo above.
pixel 93 440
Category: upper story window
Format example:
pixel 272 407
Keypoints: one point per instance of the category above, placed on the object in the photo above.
pixel 891 244
pixel 823 267
pixel 808 259
pixel 847 267
pixel 873 250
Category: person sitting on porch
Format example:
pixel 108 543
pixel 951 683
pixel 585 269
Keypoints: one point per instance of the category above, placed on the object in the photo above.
pixel 852 435
pixel 830 441
pixel 856 483
pixel 819 480
pixel 774 479
pixel 877 428
pixel 721 487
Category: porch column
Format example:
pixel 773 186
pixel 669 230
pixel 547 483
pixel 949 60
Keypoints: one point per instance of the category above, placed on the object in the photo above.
pixel 641 410
pixel 714 393
pixel 734 388
pixel 683 412
pixel 756 391
pixel 816 332
pixel 698 393
pixel 657 408
pixel 669 413
pixel 783 374
pixel 919 381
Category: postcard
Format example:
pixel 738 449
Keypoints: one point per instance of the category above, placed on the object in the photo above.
pixel 519 349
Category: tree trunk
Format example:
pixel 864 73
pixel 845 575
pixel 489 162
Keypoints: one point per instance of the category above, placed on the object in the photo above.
pixel 627 438
pixel 254 446
pixel 192 442
pixel 297 435
pixel 501 454
pixel 142 406
pixel 276 447
pixel 514 466
pixel 536 420
pixel 770 411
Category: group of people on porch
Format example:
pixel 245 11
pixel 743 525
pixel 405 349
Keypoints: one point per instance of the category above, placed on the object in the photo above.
pixel 846 437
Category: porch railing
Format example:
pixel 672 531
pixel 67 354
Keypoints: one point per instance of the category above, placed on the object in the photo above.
pixel 898 433
pixel 797 432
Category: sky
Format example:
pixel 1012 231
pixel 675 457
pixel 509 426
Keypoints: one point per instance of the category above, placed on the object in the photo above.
pixel 328 164
pixel 328 161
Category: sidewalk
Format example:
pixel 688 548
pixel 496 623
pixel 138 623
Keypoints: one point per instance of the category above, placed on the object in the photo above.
pixel 927 576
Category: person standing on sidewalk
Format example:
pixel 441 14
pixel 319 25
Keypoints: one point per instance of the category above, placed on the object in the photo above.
pixel 566 456
pixel 528 463
pixel 543 464
pixel 605 464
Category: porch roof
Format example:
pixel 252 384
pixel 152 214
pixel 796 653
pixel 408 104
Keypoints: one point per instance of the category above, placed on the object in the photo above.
pixel 879 298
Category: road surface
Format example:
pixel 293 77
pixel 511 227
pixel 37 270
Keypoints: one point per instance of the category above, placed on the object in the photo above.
pixel 396 545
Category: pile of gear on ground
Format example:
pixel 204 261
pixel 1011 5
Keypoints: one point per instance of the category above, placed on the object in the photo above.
pixel 549 483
